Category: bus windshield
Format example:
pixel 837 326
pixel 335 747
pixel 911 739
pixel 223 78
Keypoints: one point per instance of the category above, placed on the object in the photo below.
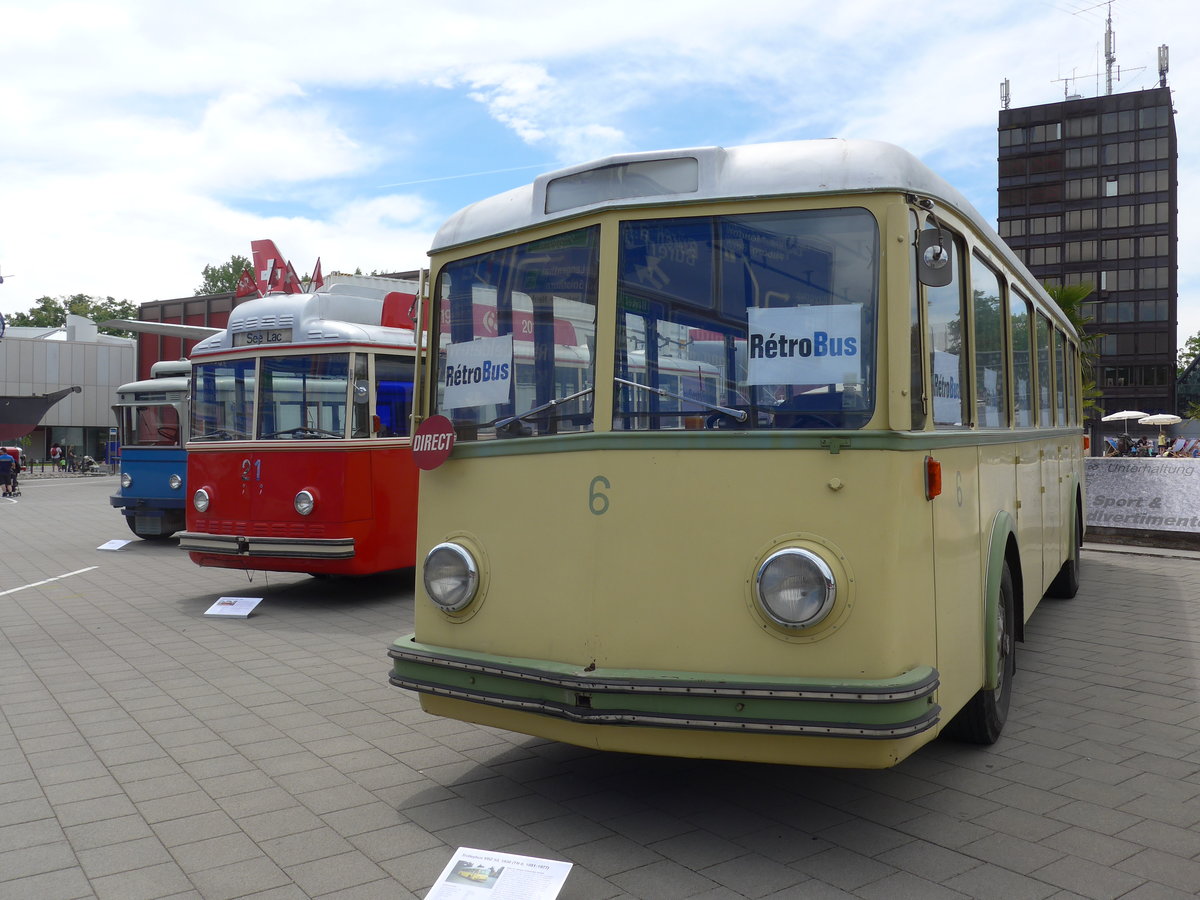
pixel 149 426
pixel 516 338
pixel 747 321
pixel 303 396
pixel 222 400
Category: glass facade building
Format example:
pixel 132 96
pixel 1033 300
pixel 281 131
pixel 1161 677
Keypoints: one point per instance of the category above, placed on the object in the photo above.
pixel 1088 194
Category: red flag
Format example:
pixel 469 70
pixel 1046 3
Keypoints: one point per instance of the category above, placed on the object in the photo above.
pixel 246 286
pixel 317 280
pixel 291 281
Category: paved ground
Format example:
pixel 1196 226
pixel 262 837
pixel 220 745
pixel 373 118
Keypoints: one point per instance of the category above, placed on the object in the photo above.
pixel 149 752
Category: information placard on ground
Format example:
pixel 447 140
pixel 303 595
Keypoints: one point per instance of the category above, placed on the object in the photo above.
pixel 237 607
pixel 476 874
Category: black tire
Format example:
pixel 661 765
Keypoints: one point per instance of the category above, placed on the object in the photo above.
pixel 1066 583
pixel 983 718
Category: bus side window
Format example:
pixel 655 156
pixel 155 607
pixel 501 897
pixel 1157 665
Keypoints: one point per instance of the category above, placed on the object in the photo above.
pixel 1045 410
pixel 1060 377
pixel 945 322
pixel 991 388
pixel 393 394
pixel 1022 337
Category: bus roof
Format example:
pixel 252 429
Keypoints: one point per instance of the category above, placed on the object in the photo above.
pixel 702 174
pixel 347 309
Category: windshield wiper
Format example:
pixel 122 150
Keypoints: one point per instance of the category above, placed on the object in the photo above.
pixel 557 401
pixel 738 415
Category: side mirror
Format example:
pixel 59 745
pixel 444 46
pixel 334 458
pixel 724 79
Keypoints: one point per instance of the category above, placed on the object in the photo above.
pixel 934 267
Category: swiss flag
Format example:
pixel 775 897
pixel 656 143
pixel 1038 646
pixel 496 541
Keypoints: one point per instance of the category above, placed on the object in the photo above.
pixel 317 279
pixel 246 286
pixel 291 281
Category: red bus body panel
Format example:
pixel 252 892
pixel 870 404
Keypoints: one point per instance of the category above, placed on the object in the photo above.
pixel 364 517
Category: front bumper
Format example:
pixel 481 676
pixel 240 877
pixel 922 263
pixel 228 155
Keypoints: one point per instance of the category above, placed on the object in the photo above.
pixel 270 547
pixel 886 709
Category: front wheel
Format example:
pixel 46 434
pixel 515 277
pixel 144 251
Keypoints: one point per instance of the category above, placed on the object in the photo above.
pixel 983 718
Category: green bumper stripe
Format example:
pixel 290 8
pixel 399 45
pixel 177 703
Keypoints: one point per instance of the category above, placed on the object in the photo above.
pixel 885 708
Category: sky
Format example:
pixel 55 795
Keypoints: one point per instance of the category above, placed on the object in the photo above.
pixel 141 141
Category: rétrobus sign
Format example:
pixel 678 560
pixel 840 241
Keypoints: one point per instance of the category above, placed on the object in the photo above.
pixel 1155 494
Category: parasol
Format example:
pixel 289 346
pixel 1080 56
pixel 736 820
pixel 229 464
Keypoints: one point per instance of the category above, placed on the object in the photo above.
pixel 1124 414
pixel 1160 419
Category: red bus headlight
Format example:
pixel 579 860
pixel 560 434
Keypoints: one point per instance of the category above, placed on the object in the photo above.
pixel 304 503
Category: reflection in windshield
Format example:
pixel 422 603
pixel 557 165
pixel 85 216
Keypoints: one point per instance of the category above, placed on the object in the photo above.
pixel 516 338
pixel 772 314
pixel 222 400
pixel 303 397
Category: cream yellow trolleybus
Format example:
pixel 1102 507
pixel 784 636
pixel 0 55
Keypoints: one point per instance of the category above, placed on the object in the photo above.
pixel 762 453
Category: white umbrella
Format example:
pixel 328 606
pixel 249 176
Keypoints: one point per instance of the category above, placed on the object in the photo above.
pixel 1160 419
pixel 1124 414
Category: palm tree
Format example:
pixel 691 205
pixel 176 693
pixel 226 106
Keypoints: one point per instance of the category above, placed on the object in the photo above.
pixel 1069 298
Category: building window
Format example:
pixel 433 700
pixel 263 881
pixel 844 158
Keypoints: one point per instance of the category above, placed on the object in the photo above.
pixel 1152 214
pixel 1012 137
pixel 1154 245
pixel 1157 180
pixel 1078 157
pixel 1081 126
pixel 1081 219
pixel 1114 154
pixel 1115 122
pixel 1116 217
pixel 1081 251
pixel 1051 131
pixel 1153 117
pixel 1081 188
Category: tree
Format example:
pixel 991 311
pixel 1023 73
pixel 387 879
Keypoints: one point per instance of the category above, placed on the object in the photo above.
pixel 1069 298
pixel 51 312
pixel 1189 351
pixel 223 278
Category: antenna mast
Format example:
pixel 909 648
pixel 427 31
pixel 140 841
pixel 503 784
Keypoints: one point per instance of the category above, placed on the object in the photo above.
pixel 1110 52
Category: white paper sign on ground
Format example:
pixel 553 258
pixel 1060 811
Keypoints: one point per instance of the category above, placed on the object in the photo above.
pixel 114 545
pixel 238 607
pixel 478 874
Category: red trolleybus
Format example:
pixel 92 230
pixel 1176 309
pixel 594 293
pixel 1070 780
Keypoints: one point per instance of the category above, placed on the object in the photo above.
pixel 299 458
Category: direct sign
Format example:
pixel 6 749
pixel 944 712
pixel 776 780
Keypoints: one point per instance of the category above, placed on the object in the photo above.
pixel 432 443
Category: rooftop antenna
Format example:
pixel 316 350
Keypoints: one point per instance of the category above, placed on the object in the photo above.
pixel 1005 97
pixel 1162 66
pixel 1110 53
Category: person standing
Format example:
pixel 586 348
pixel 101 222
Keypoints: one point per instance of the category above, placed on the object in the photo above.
pixel 56 455
pixel 8 466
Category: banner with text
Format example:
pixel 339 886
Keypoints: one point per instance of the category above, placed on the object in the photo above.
pixel 1155 494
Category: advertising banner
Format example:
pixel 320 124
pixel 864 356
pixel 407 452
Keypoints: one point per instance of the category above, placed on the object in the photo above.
pixel 1153 494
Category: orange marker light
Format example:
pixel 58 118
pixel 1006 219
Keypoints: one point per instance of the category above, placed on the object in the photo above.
pixel 933 478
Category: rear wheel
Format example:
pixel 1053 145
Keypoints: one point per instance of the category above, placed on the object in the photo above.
pixel 1066 583
pixel 983 718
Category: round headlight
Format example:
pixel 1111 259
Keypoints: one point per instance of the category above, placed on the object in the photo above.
pixel 795 588
pixel 451 576
pixel 303 503
pixel 200 500
pixel 126 480
pixel 176 482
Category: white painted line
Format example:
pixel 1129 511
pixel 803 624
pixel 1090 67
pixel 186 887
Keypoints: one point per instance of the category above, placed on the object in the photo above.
pixel 47 581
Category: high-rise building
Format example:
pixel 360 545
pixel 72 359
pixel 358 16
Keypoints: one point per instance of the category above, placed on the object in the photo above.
pixel 1087 194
